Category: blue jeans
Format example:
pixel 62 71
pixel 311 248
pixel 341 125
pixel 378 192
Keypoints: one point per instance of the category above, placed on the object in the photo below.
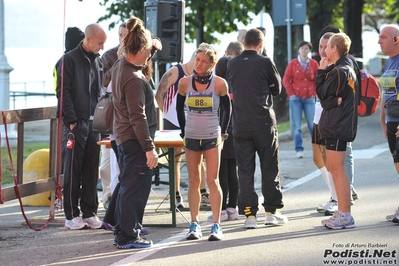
pixel 297 105
pixel 349 163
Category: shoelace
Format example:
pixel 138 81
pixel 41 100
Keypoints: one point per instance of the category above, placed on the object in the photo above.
pixel 193 227
pixel 336 216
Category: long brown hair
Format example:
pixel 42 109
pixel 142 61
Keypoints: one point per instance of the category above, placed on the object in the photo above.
pixel 138 38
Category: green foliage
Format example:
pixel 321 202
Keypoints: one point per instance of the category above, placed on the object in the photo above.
pixel 317 7
pixel 203 18
pixel 379 12
pixel 6 169
pixel 215 16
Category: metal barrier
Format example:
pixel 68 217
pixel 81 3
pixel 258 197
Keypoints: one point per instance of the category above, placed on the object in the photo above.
pixel 41 91
pixel 19 117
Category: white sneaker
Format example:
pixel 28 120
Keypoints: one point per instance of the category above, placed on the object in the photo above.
pixel 179 202
pixel 392 216
pixel 329 208
pixel 232 213
pixel 223 216
pixel 93 222
pixel 250 223
pixel 299 154
pixel 275 218
pixel 75 224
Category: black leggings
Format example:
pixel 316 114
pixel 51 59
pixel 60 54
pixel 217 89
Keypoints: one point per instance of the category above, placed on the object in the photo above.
pixel 393 141
pixel 228 182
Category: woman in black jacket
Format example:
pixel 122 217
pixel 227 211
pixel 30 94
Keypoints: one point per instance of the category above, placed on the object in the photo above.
pixel 335 85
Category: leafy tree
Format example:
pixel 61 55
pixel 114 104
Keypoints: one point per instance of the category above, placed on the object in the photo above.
pixel 203 18
pixel 379 12
pixel 320 14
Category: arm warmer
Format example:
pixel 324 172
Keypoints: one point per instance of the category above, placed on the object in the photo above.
pixel 181 117
pixel 225 119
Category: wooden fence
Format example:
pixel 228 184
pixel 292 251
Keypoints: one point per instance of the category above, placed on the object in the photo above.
pixel 20 117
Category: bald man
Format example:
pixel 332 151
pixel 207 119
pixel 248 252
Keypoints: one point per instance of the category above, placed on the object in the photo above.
pixel 389 82
pixel 77 94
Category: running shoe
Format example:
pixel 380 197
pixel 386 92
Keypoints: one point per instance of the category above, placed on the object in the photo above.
pixel 93 222
pixel 179 202
pixel 223 216
pixel 392 216
pixel 75 224
pixel 232 213
pixel 250 223
pixel 138 242
pixel 195 231
pixel 216 233
pixel 340 221
pixel 275 218
pixel 329 208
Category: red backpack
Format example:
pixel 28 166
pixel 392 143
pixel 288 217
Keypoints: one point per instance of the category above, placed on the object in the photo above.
pixel 369 94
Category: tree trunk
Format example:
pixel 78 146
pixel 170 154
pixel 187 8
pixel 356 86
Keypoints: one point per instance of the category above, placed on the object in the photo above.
pixel 353 26
pixel 316 23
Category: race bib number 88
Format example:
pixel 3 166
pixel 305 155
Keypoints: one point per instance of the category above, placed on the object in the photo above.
pixel 200 102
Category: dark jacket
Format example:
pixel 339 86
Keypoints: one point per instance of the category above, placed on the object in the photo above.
pixel 337 80
pixel 82 84
pixel 253 80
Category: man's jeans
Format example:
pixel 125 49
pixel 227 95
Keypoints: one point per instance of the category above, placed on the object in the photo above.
pixel 297 105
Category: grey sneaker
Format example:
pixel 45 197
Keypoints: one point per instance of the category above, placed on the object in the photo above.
pixel 250 223
pixel 275 218
pixel 75 224
pixel 339 221
pixel 392 216
pixel 232 213
pixel 93 222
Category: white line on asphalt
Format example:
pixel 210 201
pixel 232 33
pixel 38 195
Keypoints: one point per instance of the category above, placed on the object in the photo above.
pixel 301 180
pixel 142 254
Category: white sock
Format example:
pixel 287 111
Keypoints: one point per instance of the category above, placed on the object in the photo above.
pixel 328 179
pixel 324 174
pixel 332 187
pixel 347 214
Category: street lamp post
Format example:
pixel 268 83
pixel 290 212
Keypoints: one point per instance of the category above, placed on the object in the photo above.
pixel 5 70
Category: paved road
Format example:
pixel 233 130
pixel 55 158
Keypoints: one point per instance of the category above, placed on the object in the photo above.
pixel 303 241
